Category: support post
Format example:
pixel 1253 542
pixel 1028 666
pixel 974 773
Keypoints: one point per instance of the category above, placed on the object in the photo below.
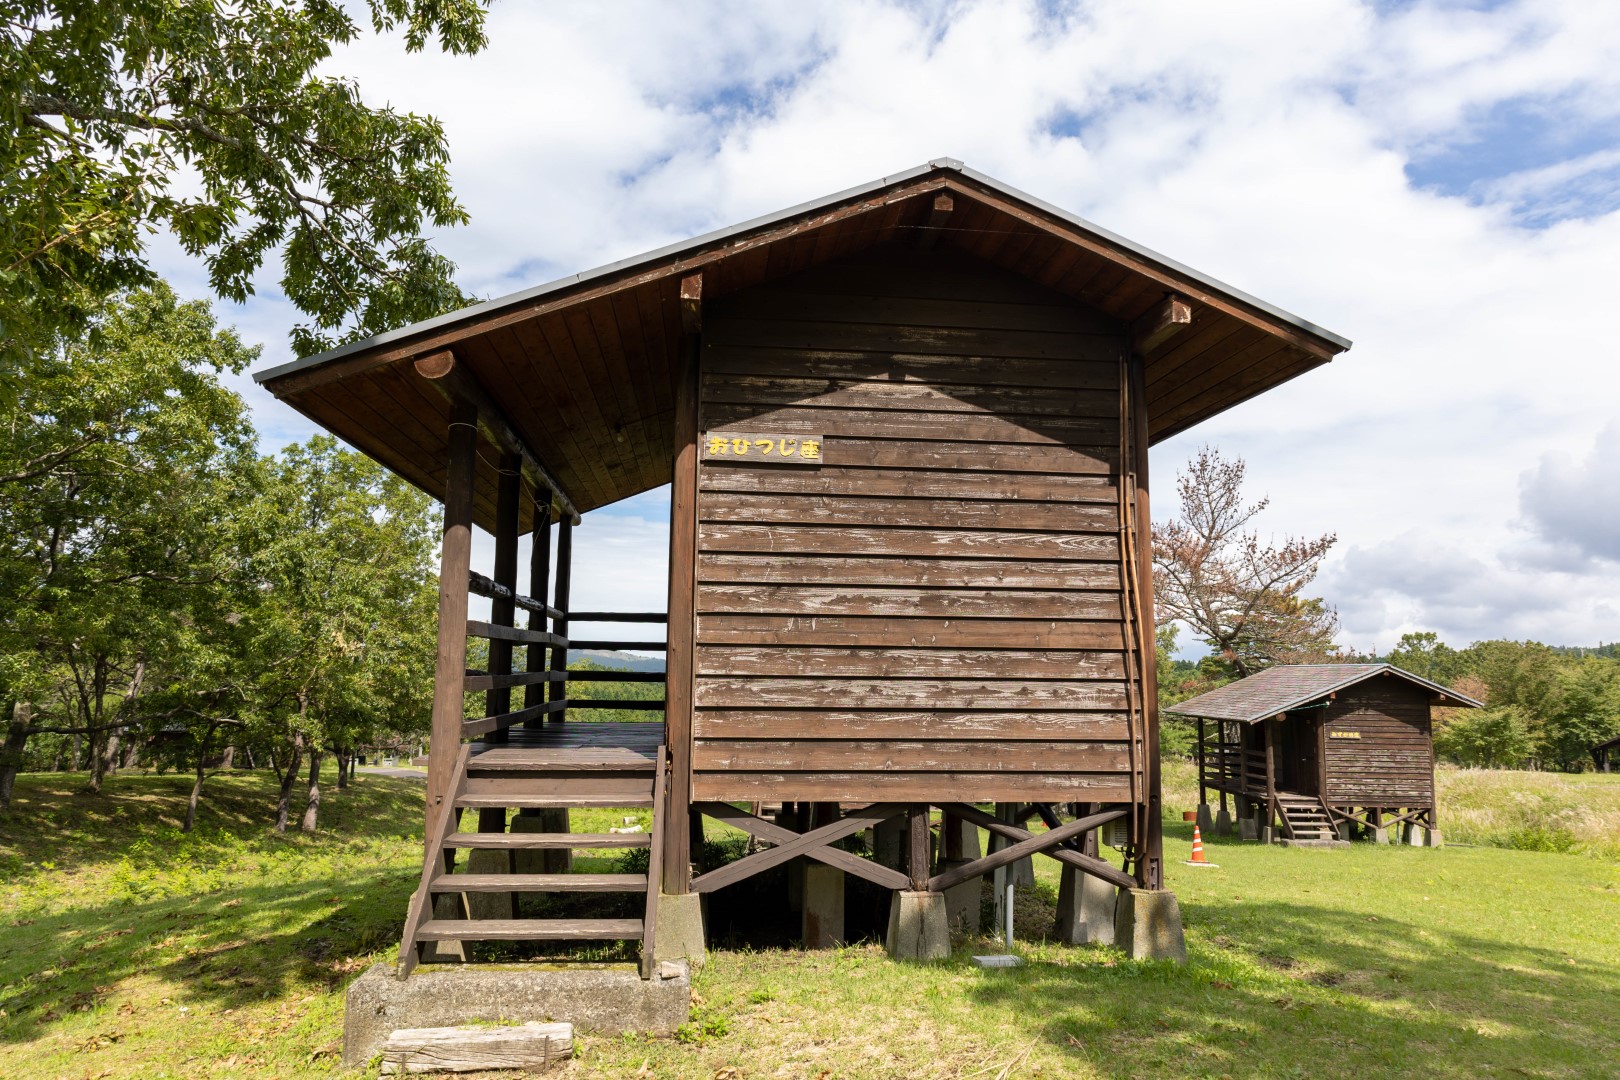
pixel 539 588
pixel 502 611
pixel 559 655
pixel 919 847
pixel 1150 857
pixel 678 655
pixel 455 559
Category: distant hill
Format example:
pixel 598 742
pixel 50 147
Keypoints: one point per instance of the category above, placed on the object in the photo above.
pixel 1610 651
pixel 613 659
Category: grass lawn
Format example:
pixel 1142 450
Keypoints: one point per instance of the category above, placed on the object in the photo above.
pixel 132 951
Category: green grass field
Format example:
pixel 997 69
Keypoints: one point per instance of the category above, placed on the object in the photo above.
pixel 131 951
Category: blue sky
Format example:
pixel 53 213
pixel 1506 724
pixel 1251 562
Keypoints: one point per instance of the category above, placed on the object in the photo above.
pixel 1438 181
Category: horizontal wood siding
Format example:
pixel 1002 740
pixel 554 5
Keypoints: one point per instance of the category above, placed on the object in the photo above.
pixel 934 611
pixel 1392 763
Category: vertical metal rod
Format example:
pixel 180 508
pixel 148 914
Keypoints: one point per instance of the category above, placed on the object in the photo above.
pixel 1009 906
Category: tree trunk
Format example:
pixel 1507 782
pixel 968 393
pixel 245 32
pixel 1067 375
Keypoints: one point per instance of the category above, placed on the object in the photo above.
pixel 132 753
pixel 227 760
pixel 343 759
pixel 11 757
pixel 295 757
pixel 196 786
pixel 313 806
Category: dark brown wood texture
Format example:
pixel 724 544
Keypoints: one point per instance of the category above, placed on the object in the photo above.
pixel 1392 763
pixel 586 375
pixel 934 614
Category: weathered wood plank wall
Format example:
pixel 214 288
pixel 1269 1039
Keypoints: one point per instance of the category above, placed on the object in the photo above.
pixel 1391 763
pixel 934 611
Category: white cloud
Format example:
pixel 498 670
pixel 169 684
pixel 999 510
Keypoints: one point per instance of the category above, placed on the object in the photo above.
pixel 1266 144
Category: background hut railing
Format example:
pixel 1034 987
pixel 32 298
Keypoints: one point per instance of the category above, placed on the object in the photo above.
pixel 619 645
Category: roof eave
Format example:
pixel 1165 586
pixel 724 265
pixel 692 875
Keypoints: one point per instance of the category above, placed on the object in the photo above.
pixel 672 252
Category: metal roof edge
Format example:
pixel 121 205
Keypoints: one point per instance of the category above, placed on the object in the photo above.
pixel 669 250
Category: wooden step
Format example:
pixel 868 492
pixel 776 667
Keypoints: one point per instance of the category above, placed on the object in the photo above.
pixel 547 841
pixel 454 883
pixel 571 760
pixel 581 790
pixel 531 930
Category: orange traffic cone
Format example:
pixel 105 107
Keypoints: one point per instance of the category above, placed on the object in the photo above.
pixel 1198 851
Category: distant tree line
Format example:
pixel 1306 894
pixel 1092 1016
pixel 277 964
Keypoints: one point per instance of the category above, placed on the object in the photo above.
pixel 176 598
pixel 1546 706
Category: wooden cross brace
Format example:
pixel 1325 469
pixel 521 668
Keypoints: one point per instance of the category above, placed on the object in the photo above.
pixel 789 844
pixel 1028 843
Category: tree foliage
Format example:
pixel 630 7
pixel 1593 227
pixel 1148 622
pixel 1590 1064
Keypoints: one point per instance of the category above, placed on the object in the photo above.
pixel 1242 597
pixel 216 123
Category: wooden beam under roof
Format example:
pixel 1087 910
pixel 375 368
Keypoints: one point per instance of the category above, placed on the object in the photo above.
pixel 459 385
pixel 1162 322
pixel 692 303
pixel 938 216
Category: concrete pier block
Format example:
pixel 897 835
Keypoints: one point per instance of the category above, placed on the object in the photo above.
pixel 1205 822
pixel 1248 829
pixel 962 901
pixel 1085 909
pixel 917 927
pixel 1223 823
pixel 1380 835
pixel 823 921
pixel 1147 925
pixel 1435 839
pixel 542 862
pixel 446 906
pixel 888 842
pixel 678 932
pixel 489 905
pixel 1347 831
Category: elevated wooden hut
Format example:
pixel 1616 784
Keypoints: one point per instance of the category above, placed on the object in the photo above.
pixel 1317 751
pixel 906 427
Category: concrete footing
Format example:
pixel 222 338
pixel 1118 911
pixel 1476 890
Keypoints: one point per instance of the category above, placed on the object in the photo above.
pixel 678 933
pixel 1380 835
pixel 1205 821
pixel 1435 839
pixel 823 921
pixel 541 862
pixel 446 906
pixel 1147 925
pixel 888 842
pixel 962 901
pixel 1248 828
pixel 1223 823
pixel 489 905
pixel 917 927
pixel 1085 909
pixel 610 1000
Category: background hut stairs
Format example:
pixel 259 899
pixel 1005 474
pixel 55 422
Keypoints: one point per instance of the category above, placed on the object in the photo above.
pixel 1306 821
pixel 498 779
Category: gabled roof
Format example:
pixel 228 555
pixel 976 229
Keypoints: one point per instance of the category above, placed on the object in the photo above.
pixel 584 367
pixel 1279 689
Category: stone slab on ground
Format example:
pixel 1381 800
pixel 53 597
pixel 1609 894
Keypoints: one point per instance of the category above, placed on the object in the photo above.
pixel 609 999
pixel 1287 842
pixel 533 1045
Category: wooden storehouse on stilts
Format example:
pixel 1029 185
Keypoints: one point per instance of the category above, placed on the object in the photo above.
pixel 906 428
pixel 1314 754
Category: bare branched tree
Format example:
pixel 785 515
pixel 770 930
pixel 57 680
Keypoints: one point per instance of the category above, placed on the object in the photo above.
pixel 1211 572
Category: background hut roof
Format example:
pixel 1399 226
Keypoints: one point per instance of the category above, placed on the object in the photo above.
pixel 585 366
pixel 1279 689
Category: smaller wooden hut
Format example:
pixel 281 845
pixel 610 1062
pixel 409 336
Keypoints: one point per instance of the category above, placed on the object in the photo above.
pixel 1317 753
pixel 1603 752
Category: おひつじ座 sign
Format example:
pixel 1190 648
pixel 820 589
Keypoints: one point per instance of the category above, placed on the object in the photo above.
pixel 737 446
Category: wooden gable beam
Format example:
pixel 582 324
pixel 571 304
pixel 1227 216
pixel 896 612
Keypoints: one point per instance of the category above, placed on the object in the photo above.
pixel 939 215
pixel 692 303
pixel 1168 318
pixel 446 374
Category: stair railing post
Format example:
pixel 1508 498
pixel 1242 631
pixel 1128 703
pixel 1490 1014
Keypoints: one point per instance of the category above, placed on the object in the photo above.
pixel 455 559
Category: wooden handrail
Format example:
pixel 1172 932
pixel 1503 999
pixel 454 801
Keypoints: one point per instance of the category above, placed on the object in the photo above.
pixel 496 632
pixel 480 585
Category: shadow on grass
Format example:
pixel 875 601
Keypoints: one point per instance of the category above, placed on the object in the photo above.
pixel 1316 992
pixel 237 947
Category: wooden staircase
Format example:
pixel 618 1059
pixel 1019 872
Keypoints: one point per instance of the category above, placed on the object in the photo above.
pixel 1305 818
pixel 546 779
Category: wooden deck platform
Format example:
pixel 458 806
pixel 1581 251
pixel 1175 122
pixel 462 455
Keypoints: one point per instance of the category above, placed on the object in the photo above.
pixel 628 743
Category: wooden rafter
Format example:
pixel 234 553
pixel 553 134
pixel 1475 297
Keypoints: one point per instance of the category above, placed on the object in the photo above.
pixel 459 385
pixel 1168 318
